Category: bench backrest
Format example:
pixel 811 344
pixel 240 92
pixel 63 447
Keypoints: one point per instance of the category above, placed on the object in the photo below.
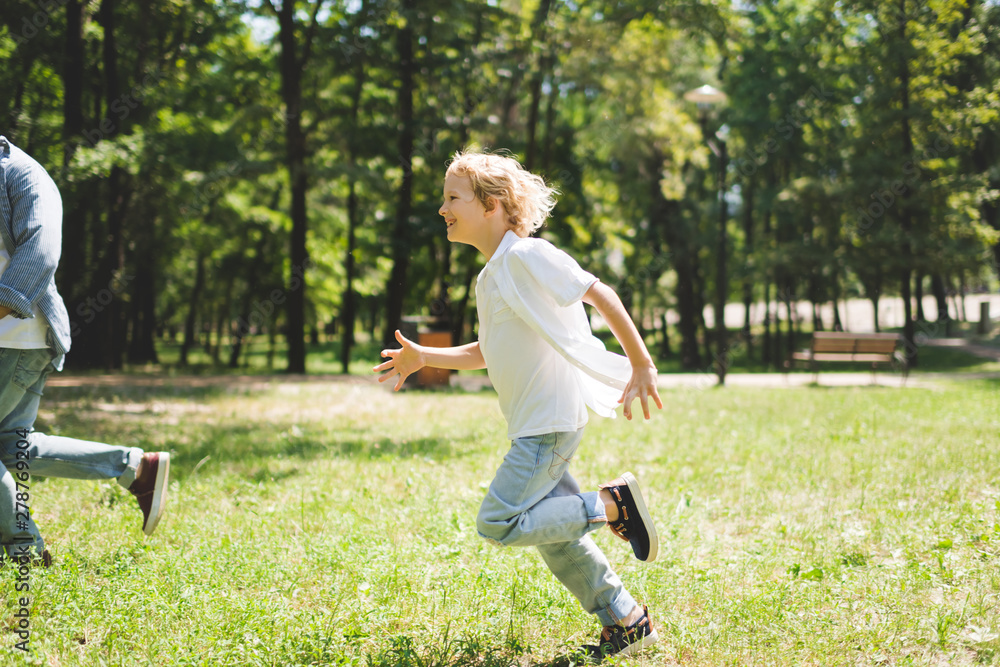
pixel 848 343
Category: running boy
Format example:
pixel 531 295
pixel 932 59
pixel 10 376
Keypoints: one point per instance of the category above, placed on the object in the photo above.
pixel 547 368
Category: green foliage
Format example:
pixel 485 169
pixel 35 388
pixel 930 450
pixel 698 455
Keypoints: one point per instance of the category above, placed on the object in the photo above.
pixel 862 142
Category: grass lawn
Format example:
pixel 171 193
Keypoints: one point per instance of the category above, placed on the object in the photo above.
pixel 333 523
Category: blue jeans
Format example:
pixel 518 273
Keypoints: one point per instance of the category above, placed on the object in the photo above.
pixel 534 501
pixel 22 378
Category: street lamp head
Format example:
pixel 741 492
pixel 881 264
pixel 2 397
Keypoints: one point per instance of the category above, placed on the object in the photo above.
pixel 705 96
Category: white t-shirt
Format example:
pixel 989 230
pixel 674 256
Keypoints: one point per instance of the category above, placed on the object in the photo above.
pixel 17 333
pixel 539 390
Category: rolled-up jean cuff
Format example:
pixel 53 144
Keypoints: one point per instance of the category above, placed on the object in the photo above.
pixel 134 457
pixel 594 506
pixel 619 609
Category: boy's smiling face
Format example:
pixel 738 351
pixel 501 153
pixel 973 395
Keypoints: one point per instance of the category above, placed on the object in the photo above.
pixel 463 213
pixel 467 220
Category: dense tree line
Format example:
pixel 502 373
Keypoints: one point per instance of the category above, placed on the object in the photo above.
pixel 273 168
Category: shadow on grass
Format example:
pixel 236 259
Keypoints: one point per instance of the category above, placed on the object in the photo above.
pixel 469 652
pixel 128 390
pixel 252 445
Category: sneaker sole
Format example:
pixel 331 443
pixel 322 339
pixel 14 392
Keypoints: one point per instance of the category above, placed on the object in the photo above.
pixel 647 520
pixel 159 493
pixel 645 642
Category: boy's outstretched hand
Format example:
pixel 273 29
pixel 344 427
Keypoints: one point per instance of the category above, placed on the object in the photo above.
pixel 641 385
pixel 402 362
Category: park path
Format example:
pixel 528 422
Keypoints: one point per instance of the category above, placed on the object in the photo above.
pixel 478 382
pixel 970 346
pixel 697 380
pixel 885 378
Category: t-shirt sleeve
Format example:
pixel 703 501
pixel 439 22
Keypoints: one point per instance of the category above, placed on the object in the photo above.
pixel 552 270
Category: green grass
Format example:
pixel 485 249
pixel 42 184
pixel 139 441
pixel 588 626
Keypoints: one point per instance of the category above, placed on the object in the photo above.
pixel 333 523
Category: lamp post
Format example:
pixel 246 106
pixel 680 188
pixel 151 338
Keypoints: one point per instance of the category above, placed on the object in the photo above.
pixel 706 97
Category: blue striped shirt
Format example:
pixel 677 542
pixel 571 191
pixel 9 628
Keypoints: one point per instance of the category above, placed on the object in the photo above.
pixel 31 225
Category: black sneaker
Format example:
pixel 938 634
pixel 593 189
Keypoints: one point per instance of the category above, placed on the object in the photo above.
pixel 616 640
pixel 634 523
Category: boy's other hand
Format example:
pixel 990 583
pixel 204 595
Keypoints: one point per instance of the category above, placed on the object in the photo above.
pixel 641 385
pixel 402 362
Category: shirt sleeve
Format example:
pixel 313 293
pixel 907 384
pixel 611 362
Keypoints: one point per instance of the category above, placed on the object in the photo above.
pixel 550 269
pixel 36 216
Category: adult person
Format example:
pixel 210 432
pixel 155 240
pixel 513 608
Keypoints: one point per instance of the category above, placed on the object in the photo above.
pixel 34 340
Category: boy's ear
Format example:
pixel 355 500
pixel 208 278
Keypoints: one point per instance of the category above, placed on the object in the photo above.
pixel 494 206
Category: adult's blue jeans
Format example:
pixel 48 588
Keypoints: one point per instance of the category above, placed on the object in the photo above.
pixel 534 501
pixel 22 378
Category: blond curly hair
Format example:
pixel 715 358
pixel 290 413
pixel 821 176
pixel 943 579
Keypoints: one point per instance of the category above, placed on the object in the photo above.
pixel 525 197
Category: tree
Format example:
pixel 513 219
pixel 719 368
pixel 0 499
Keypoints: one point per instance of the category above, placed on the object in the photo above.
pixel 296 51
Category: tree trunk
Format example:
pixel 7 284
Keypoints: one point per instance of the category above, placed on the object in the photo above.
pixel 779 301
pixel 73 260
pixel 918 296
pixel 665 351
pixel 142 346
pixel 292 69
pixel 905 219
pixel 535 84
pixel 721 275
pixel 246 321
pixel 101 338
pixel 961 296
pixel 748 197
pixel 792 323
pixel 874 299
pixel 193 302
pixel 349 309
pixel 940 296
pixel 13 122
pixel 687 311
pixel 401 246
pixel 272 346
pixel 550 117
pixel 699 295
pixel 838 325
pixel 224 321
pixel 766 343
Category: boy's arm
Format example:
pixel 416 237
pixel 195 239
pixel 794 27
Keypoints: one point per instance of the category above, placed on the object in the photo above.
pixel 412 357
pixel 642 384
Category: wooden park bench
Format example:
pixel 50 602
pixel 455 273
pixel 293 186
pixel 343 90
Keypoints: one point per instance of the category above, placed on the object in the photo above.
pixel 867 348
